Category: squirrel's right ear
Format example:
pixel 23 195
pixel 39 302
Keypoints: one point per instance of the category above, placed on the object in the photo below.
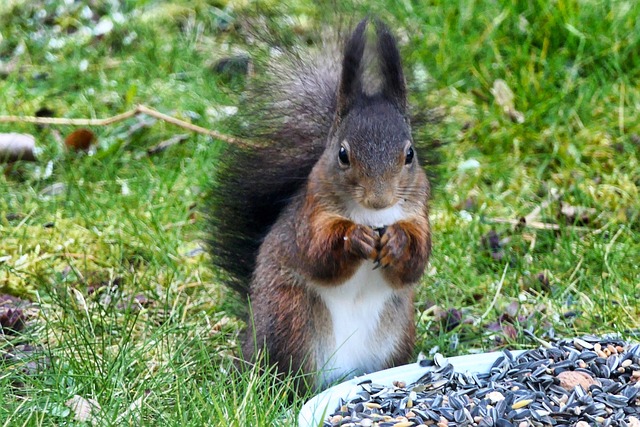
pixel 393 86
pixel 351 77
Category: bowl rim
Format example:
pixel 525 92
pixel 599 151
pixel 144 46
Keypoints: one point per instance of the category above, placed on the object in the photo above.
pixel 316 409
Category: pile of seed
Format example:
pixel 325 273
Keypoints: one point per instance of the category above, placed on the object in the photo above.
pixel 583 382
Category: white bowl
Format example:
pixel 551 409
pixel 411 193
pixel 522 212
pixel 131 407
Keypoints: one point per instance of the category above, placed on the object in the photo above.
pixel 315 411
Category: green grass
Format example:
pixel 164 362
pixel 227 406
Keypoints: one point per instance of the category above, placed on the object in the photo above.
pixel 128 312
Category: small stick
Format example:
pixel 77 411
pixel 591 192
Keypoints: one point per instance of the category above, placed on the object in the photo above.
pixel 532 224
pixel 140 109
pixel 72 122
pixel 535 224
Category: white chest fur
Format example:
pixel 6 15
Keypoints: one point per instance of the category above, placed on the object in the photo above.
pixel 375 217
pixel 355 307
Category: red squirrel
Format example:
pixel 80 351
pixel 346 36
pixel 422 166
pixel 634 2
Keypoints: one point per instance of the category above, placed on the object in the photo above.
pixel 324 224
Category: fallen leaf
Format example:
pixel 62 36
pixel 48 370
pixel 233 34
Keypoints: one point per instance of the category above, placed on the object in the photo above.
pixel 17 146
pixel 54 189
pixel 538 282
pixel 194 252
pixel 504 97
pixel 135 303
pixel 81 303
pixel 577 215
pixel 12 314
pixel 449 319
pixel 29 358
pixel 80 140
pixel 509 331
pixel 217 327
pixel 492 242
pixel 84 409
pixel 512 309
pixel 132 412
pixel 502 93
pixel 469 204
pixel 468 164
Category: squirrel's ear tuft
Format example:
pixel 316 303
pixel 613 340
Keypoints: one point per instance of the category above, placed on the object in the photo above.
pixel 351 77
pixel 393 85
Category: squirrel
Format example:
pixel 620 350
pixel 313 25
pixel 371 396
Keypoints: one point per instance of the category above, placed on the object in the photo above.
pixel 324 224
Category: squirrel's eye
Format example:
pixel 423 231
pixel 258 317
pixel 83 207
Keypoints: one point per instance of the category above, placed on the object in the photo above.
pixel 409 158
pixel 343 156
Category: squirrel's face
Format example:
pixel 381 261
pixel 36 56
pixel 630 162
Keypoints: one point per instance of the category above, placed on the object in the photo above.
pixel 369 168
pixel 372 158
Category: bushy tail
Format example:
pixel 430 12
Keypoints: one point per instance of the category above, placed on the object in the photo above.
pixel 287 113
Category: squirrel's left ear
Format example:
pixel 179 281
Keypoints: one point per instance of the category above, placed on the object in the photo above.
pixel 393 85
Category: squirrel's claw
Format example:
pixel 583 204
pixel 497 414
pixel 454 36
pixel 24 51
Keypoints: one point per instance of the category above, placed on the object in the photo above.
pixel 393 245
pixel 362 241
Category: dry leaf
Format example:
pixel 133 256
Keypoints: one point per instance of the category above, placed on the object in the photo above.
pixel 509 331
pixel 80 140
pixel 30 359
pixel 577 215
pixel 12 315
pixel 504 98
pixel 132 411
pixel 512 309
pixel 502 93
pixel 17 146
pixel 54 189
pixel 217 327
pixel 84 409
pixel 81 303
pixel 492 242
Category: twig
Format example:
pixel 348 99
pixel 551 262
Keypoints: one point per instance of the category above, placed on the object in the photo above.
pixel 519 222
pixel 140 109
pixel 544 343
pixel 495 297
pixel 72 122
pixel 535 224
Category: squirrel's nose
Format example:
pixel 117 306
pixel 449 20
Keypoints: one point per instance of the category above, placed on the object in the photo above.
pixel 378 199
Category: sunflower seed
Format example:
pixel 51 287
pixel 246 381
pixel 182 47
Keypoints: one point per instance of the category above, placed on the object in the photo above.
pixel 521 391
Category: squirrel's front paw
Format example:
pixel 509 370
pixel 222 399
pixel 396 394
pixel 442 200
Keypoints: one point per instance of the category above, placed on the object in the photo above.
pixel 362 241
pixel 393 245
